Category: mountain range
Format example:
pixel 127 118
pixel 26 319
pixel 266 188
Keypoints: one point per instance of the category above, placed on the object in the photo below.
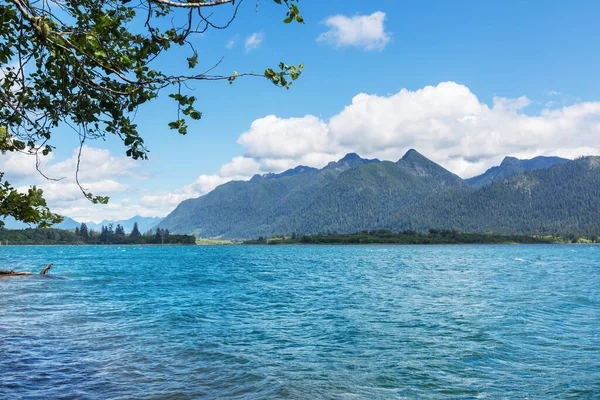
pixel 541 195
pixel 144 224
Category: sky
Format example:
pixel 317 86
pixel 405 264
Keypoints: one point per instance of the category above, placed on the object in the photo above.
pixel 465 83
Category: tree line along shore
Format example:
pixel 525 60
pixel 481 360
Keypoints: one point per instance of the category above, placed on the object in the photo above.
pixel 108 235
pixel 117 236
pixel 433 236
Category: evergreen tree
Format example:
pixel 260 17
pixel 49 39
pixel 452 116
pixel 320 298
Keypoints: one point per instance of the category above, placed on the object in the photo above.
pixel 83 232
pixel 158 237
pixel 104 236
pixel 119 230
pixel 135 232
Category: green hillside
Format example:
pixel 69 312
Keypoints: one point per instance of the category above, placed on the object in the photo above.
pixel 355 194
pixel 512 166
pixel 352 193
pixel 564 198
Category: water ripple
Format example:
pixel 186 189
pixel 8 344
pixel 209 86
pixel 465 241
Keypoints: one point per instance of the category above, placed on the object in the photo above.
pixel 371 322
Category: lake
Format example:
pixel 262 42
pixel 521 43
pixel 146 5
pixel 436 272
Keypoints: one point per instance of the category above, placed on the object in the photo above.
pixel 301 322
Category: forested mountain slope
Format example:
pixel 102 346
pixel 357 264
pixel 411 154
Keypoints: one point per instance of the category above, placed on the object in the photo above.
pixel 512 166
pixel 352 193
pixel 564 198
pixel 355 194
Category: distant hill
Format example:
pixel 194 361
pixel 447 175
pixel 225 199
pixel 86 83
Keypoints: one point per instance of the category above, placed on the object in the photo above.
pixel 67 224
pixel 512 166
pixel 144 223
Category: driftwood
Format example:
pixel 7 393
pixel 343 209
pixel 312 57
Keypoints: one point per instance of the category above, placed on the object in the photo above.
pixel 46 269
pixel 12 272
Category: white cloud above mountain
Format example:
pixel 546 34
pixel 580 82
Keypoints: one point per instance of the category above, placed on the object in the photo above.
pixel 362 31
pixel 446 123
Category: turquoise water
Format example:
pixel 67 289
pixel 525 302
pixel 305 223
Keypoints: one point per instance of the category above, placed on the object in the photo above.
pixel 305 322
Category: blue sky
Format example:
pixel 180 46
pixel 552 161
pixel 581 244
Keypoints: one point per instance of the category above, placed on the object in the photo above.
pixel 464 82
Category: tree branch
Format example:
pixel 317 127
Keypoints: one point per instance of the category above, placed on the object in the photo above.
pixel 193 5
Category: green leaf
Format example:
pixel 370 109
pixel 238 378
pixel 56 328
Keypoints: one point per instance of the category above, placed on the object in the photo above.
pixel 193 61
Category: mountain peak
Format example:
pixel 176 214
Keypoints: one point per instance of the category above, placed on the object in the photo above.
pixel 421 166
pixel 510 161
pixel 351 160
pixel 512 166
pixel 350 157
pixel 412 154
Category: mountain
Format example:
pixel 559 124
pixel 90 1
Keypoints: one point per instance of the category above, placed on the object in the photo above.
pixel 541 195
pixel 428 171
pixel 564 198
pixel 300 169
pixel 144 223
pixel 241 209
pixel 350 194
pixel 67 224
pixel 512 166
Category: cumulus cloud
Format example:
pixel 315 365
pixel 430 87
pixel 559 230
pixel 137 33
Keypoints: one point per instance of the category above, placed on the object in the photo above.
pixel 363 31
pixel 100 173
pixel 95 164
pixel 254 41
pixel 165 201
pixel 447 123
pixel 273 137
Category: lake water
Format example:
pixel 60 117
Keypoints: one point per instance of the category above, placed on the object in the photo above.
pixel 361 322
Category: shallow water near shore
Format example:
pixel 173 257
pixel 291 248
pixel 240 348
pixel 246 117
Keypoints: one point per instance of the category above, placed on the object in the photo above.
pixel 309 322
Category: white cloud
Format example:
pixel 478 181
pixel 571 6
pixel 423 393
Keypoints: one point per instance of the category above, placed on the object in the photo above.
pixel 273 137
pixel 239 166
pixel 447 123
pixel 232 42
pixel 164 202
pixel 95 164
pixel 254 41
pixel 364 31
pixel 100 173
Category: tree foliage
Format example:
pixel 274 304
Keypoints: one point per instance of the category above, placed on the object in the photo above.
pixel 53 236
pixel 434 236
pixel 88 65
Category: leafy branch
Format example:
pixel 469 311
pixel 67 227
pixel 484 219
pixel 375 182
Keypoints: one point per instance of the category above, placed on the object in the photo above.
pixel 79 63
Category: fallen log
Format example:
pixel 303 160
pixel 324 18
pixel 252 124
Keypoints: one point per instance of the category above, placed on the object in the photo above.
pixel 13 273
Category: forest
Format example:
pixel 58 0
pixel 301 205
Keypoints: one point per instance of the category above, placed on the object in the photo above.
pixel 433 236
pixel 108 235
